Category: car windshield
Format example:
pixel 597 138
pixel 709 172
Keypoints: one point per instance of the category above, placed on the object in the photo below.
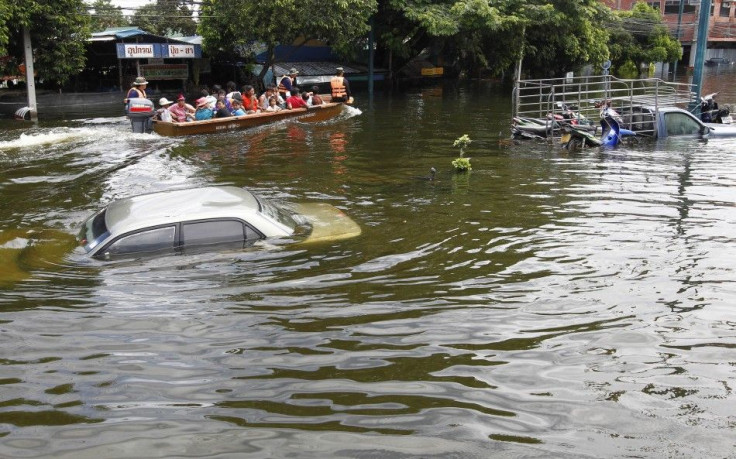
pixel 93 231
pixel 280 214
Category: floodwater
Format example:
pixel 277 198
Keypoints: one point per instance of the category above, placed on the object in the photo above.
pixel 546 304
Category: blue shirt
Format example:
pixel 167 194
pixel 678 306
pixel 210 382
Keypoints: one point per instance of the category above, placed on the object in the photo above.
pixel 203 114
pixel 238 112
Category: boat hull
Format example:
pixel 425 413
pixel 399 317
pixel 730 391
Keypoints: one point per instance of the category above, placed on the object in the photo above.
pixel 313 114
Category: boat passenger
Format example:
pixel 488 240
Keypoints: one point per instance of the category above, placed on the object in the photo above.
pixel 138 90
pixel 286 83
pixel 230 90
pixel 238 107
pixel 340 87
pixel 222 110
pixel 221 97
pixel 265 99
pixel 204 112
pixel 295 101
pixel 250 102
pixel 315 99
pixel 163 113
pixel 210 99
pixel 273 105
pixel 182 111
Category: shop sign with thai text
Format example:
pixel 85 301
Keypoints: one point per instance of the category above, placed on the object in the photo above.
pixel 181 51
pixel 138 50
pixel 165 71
pixel 158 51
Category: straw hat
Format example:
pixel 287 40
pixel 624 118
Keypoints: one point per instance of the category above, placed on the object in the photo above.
pixel 293 71
pixel 139 81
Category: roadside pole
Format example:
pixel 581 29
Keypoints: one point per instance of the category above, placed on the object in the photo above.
pixel 371 54
pixel 30 83
pixel 700 50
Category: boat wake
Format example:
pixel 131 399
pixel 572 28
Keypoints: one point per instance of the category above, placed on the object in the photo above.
pixel 92 131
pixel 46 138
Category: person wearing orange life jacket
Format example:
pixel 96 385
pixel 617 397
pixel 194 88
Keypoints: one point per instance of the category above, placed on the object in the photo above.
pixel 137 91
pixel 286 83
pixel 340 87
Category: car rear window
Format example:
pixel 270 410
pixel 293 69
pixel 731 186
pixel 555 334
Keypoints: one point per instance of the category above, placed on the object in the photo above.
pixel 215 232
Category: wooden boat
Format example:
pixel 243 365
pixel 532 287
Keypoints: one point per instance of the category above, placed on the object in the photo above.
pixel 317 113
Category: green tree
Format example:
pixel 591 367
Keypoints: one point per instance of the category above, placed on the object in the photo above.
pixel 106 15
pixel 477 35
pixel 563 35
pixel 230 28
pixel 640 37
pixel 166 18
pixel 58 28
pixel 455 32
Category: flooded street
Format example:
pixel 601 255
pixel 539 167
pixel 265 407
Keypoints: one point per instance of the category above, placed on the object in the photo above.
pixel 547 304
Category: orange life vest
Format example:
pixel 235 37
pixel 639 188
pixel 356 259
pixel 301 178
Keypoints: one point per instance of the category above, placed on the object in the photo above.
pixel 338 87
pixel 141 94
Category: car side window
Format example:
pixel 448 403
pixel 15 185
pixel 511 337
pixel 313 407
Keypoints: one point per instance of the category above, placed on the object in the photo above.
pixel 216 232
pixel 144 241
pixel 681 124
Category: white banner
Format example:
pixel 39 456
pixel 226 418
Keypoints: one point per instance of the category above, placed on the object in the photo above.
pixel 136 51
pixel 181 51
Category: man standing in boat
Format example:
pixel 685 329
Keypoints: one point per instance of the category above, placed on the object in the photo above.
pixel 137 91
pixel 286 83
pixel 340 87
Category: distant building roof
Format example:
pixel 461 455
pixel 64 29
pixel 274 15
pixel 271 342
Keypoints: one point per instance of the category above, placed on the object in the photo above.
pixel 120 33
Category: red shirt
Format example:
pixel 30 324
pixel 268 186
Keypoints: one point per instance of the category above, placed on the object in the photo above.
pixel 250 103
pixel 296 102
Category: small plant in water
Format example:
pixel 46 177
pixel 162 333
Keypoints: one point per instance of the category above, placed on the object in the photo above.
pixel 462 163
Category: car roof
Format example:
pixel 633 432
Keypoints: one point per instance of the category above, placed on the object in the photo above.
pixel 160 208
pixel 673 109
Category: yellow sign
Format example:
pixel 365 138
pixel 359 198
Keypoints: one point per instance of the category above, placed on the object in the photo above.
pixel 433 71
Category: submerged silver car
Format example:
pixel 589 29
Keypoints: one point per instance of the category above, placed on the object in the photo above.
pixel 209 217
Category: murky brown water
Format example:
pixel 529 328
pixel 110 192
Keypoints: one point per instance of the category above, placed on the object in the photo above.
pixel 546 304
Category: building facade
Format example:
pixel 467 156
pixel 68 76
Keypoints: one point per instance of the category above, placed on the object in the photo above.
pixel 681 16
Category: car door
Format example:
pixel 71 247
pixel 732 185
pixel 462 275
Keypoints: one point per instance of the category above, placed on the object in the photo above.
pixel 144 242
pixel 217 234
pixel 682 124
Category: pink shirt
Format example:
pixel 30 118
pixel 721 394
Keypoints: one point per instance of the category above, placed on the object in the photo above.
pixel 179 113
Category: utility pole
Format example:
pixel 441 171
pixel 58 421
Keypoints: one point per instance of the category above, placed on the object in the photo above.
pixel 30 83
pixel 700 50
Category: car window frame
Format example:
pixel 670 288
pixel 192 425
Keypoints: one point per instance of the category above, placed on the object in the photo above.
pixel 178 246
pixel 105 254
pixel 702 129
pixel 180 232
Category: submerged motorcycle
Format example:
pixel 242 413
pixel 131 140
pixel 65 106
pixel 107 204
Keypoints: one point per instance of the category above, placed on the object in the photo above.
pixel 710 113
pixel 575 138
pixel 552 125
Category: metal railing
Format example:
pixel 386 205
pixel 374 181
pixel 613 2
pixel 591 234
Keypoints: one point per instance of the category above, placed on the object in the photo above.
pixel 636 100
